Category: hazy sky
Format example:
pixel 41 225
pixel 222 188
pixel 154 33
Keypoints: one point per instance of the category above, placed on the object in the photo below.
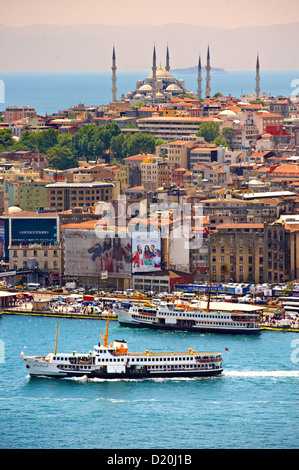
pixel 226 13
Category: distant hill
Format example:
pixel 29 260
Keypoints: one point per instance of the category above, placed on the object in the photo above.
pixel 194 69
pixel 89 47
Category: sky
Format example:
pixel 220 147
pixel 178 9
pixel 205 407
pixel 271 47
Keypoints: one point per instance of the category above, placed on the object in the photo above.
pixel 218 13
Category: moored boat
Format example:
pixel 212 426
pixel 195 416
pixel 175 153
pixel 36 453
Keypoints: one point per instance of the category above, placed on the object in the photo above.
pixel 200 316
pixel 114 361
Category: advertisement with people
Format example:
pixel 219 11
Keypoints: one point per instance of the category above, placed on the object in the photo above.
pixel 87 254
pixel 146 252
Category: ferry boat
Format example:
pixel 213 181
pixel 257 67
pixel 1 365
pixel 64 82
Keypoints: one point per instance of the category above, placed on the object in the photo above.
pixel 200 316
pixel 115 362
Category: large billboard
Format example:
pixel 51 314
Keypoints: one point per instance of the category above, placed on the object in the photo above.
pixel 88 253
pixel 34 230
pixel 146 252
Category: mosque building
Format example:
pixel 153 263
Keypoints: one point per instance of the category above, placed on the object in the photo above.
pixel 159 86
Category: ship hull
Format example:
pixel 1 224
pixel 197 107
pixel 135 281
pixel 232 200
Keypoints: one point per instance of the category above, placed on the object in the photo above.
pixel 43 369
pixel 195 329
pixel 133 376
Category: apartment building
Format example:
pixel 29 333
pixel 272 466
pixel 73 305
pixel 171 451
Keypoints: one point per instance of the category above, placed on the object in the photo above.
pixel 63 196
pixel 168 128
pixel 205 154
pixel 179 152
pixel 15 113
pixel 149 174
pixel 248 252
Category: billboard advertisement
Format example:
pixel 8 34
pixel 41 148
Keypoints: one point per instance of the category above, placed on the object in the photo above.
pixel 146 252
pixel 88 254
pixel 34 230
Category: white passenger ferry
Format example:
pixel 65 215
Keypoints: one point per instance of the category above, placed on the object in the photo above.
pixel 115 362
pixel 201 316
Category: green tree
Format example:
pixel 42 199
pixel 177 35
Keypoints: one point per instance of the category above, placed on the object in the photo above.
pixel 61 158
pixel 209 131
pixel 217 95
pixel 46 139
pixel 6 139
pixel 138 104
pixel 116 145
pixel 228 133
pixel 141 143
pixel 220 141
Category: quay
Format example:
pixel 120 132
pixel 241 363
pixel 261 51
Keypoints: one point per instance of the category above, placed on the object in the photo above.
pixel 68 306
pixel 103 315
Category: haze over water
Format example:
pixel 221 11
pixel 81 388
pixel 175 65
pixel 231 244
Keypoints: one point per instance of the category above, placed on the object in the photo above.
pixel 51 92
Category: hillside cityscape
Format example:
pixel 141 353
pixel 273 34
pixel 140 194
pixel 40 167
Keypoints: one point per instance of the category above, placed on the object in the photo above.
pixel 149 228
pixel 157 146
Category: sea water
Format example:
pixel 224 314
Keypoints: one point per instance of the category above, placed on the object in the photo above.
pixel 252 405
pixel 50 92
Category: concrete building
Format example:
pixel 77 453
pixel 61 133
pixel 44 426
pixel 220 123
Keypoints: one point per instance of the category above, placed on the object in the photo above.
pixel 248 252
pixel 64 196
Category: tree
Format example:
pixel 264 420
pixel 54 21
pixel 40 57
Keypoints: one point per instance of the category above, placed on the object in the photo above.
pixel 209 131
pixel 228 133
pixel 218 95
pixel 116 145
pixel 46 139
pixel 141 143
pixel 220 141
pixel 29 140
pixel 61 158
pixel 6 139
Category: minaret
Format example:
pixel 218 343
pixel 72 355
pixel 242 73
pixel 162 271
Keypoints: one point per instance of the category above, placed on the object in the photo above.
pixel 208 75
pixel 167 68
pixel 114 89
pixel 154 69
pixel 199 79
pixel 5 199
pixel 257 79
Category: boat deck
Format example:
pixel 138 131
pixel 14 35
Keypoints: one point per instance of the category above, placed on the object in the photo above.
pixel 186 353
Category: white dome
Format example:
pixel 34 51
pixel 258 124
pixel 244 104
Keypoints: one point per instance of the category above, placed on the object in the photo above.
pixel 14 209
pixel 161 73
pixel 228 114
pixel 173 87
pixel 145 87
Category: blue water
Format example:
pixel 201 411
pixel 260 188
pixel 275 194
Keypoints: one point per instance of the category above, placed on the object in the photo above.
pixel 254 404
pixel 51 92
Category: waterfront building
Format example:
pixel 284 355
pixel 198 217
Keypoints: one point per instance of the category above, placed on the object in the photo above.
pixel 249 252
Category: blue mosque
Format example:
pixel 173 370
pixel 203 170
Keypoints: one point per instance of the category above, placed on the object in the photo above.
pixel 161 85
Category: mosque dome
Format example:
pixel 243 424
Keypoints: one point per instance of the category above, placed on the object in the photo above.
pixel 174 87
pixel 138 96
pixel 230 115
pixel 159 95
pixel 161 74
pixel 145 88
pixel 14 209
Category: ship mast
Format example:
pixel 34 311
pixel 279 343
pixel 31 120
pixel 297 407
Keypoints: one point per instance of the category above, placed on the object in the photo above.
pixel 55 352
pixel 105 336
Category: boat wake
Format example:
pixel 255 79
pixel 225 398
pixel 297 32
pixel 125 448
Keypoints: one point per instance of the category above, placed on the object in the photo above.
pixel 261 373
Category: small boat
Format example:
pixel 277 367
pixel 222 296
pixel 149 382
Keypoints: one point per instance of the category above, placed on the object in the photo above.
pixel 114 361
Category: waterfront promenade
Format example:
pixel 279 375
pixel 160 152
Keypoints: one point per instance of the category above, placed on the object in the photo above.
pixel 101 309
